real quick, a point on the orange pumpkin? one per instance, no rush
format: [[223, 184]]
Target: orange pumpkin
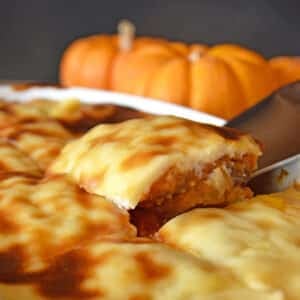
[[88, 61], [287, 68], [222, 80]]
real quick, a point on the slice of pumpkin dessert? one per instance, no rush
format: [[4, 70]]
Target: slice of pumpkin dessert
[[158, 167]]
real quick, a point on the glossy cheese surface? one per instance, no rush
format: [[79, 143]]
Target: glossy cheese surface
[[258, 240], [42, 218], [13, 160], [130, 270]]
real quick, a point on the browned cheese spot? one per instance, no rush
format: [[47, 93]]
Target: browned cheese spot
[[92, 115], [19, 177], [171, 125], [7, 226], [108, 138], [63, 279], [65, 276], [141, 297], [137, 160], [265, 224], [86, 117], [54, 151], [166, 141], [297, 242], [124, 113], [11, 265], [3, 167], [238, 207], [15, 131], [225, 132], [150, 269]]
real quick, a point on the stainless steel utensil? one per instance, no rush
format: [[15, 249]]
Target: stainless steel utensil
[[276, 123], [276, 177]]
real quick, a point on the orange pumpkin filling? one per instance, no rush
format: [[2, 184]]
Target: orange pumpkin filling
[[217, 184]]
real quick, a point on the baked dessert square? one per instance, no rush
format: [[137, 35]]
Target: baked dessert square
[[158, 167]]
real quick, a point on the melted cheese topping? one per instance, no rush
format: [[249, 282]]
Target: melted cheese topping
[[12, 112], [71, 113], [42, 127], [40, 219], [122, 161], [258, 240], [13, 160], [130, 270], [41, 140], [40, 109]]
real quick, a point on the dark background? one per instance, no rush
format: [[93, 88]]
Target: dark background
[[33, 34]]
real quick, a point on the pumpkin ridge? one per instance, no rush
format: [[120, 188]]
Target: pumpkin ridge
[[111, 67], [237, 52], [239, 82], [111, 70], [190, 85], [151, 77], [85, 58], [172, 49], [111, 61], [216, 94], [245, 70], [81, 58], [189, 93]]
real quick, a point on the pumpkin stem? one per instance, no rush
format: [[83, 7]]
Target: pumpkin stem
[[194, 55], [126, 32]]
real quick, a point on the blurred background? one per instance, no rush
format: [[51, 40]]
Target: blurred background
[[33, 33]]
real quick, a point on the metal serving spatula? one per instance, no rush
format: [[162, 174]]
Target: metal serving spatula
[[276, 123], [276, 177]]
